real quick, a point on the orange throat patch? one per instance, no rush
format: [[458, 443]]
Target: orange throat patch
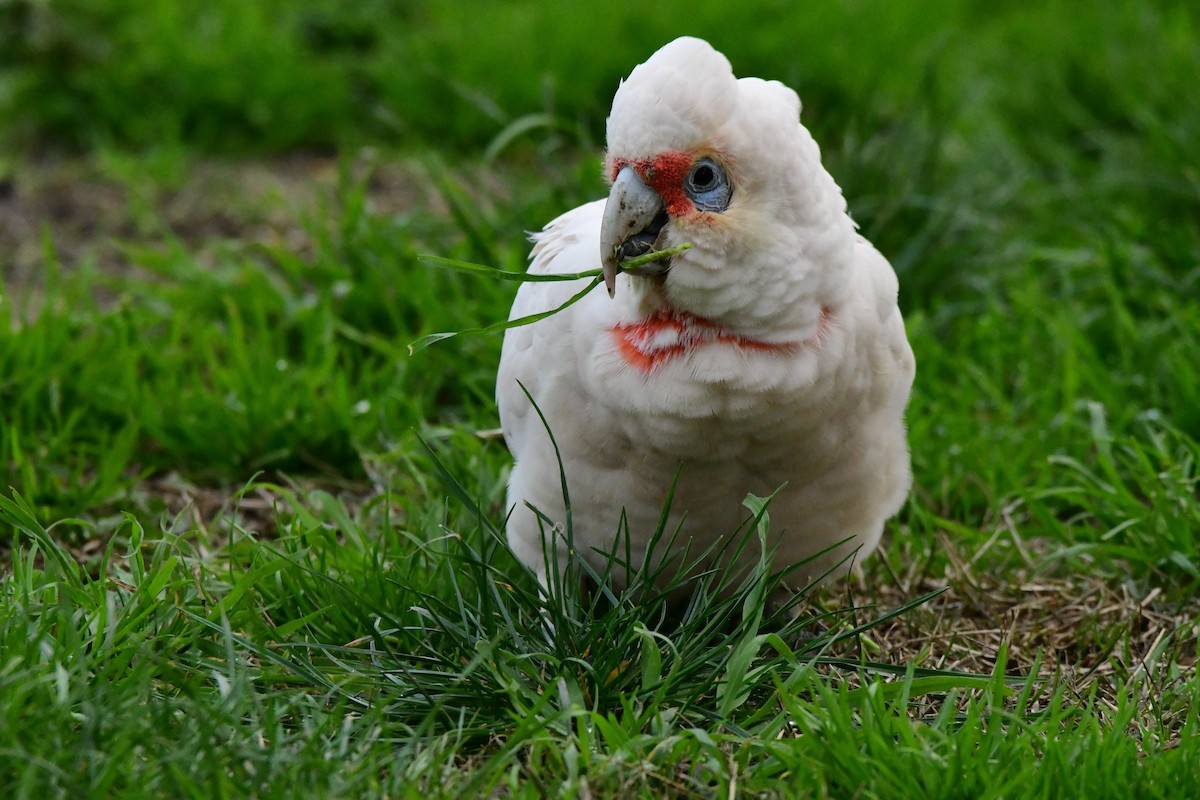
[[667, 334]]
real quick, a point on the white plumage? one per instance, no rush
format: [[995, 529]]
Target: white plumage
[[772, 353]]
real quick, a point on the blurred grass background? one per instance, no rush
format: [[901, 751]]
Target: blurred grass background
[[232, 77], [939, 103]]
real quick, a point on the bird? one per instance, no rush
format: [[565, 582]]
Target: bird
[[768, 359]]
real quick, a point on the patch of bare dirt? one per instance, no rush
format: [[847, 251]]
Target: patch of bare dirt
[[1085, 635], [86, 208]]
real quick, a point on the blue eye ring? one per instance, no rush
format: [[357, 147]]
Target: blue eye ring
[[707, 185]]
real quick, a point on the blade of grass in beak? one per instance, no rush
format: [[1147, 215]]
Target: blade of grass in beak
[[503, 274], [433, 338], [653, 255], [507, 275], [531, 277]]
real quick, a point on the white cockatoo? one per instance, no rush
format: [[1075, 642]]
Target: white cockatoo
[[771, 355]]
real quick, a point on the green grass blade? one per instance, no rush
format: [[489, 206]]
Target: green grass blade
[[433, 338]]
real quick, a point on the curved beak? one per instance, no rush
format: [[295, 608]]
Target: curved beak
[[633, 218]]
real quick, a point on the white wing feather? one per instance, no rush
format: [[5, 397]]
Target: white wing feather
[[534, 354]]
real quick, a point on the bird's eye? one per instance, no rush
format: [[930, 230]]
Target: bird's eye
[[707, 185]]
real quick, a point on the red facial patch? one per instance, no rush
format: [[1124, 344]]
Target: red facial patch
[[662, 336], [665, 174]]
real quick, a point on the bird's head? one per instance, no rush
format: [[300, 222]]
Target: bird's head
[[698, 156]]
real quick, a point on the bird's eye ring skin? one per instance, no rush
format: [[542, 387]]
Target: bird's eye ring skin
[[707, 185]]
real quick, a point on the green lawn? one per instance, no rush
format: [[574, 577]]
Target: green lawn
[[250, 545]]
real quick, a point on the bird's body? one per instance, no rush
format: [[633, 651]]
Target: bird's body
[[771, 354]]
